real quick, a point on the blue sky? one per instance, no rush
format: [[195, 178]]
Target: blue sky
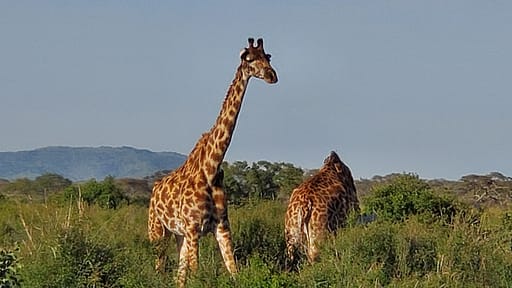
[[392, 86]]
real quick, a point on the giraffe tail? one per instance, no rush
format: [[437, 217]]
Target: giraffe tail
[[304, 218]]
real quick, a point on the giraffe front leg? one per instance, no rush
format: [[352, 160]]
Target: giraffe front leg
[[193, 248], [189, 251], [183, 264], [223, 229]]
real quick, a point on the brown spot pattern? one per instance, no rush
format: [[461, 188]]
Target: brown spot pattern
[[181, 203], [319, 205]]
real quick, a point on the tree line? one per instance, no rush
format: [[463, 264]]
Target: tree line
[[243, 182]]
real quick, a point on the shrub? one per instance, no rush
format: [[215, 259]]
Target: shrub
[[421, 255], [82, 262], [259, 275], [9, 268], [408, 195], [376, 250], [258, 237]]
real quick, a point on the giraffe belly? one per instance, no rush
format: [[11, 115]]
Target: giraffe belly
[[175, 226]]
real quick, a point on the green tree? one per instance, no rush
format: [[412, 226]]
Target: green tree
[[234, 181], [105, 194], [288, 178], [260, 180], [51, 183]]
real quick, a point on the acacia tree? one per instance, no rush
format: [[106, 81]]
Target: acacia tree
[[51, 182], [261, 180]]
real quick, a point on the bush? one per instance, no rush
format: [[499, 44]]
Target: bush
[[408, 195], [421, 256], [476, 254], [376, 250], [262, 238], [260, 275], [9, 268], [82, 262]]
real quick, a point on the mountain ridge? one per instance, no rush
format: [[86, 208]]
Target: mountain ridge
[[83, 163]]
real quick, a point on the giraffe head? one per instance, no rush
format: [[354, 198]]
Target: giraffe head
[[255, 62]]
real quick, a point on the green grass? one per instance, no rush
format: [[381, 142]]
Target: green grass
[[60, 247]]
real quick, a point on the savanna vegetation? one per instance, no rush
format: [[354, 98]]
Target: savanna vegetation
[[413, 233]]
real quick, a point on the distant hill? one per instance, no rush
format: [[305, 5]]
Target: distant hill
[[83, 163]]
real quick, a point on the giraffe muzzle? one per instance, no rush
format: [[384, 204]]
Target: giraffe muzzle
[[270, 76]]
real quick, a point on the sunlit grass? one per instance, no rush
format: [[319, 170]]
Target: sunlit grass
[[472, 251]]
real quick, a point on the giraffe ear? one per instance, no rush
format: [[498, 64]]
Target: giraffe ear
[[338, 167], [243, 54]]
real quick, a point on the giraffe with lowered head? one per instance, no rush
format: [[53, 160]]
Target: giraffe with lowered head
[[190, 202], [319, 205]]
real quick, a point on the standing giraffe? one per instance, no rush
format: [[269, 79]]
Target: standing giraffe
[[190, 201], [319, 204]]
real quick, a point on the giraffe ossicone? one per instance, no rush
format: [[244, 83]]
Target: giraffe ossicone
[[190, 201]]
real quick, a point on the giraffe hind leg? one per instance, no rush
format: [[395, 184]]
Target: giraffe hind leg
[[315, 234], [161, 251], [159, 238], [293, 244]]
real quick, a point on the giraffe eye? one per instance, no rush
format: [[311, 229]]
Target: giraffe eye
[[268, 57], [246, 56], [249, 57]]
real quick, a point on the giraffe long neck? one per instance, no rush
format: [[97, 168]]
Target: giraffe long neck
[[219, 137]]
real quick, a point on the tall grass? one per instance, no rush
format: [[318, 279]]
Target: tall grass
[[63, 246]]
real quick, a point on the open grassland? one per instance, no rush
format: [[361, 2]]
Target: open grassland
[[70, 245]]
